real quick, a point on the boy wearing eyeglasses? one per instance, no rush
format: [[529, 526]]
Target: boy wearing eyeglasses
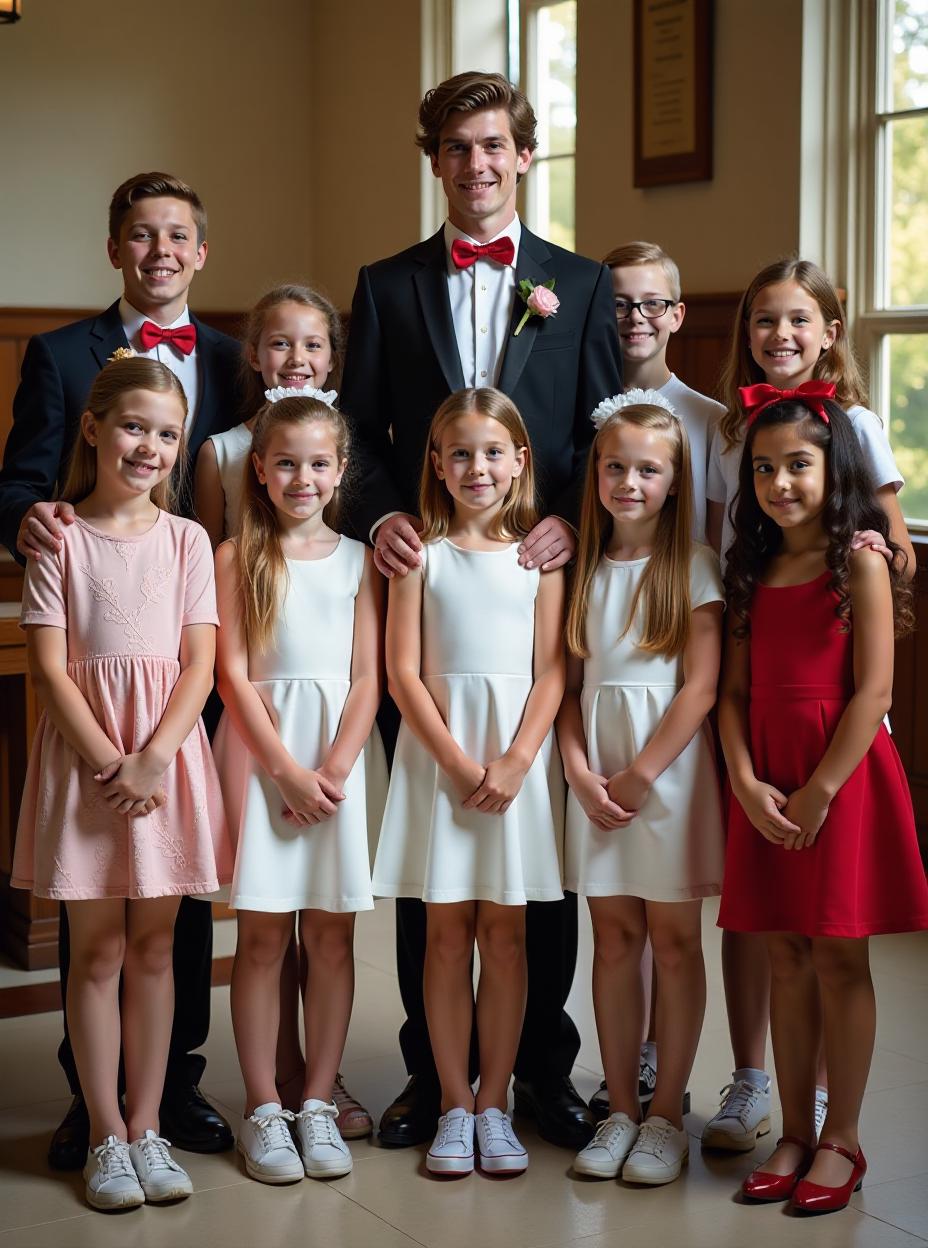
[[646, 284]]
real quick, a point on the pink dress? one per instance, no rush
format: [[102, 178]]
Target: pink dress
[[123, 603]]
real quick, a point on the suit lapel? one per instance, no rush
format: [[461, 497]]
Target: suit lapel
[[533, 253], [204, 416], [431, 282], [107, 334]]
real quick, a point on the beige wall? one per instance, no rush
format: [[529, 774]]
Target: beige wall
[[216, 91], [720, 232]]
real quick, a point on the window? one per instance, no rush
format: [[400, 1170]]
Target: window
[[551, 85]]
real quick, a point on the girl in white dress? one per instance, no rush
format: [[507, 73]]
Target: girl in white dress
[[474, 817], [644, 834], [301, 767]]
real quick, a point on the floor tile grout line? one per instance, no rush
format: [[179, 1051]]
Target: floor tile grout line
[[399, 1230], [885, 1222]]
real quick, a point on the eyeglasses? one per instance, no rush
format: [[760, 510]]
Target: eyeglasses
[[651, 309]]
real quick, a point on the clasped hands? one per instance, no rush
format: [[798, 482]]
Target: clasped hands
[[132, 783], [791, 822]]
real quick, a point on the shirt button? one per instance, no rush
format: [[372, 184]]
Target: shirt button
[[483, 288], [483, 329], [483, 372]]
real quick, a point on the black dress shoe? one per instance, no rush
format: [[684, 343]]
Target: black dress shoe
[[68, 1149], [190, 1122], [413, 1116], [562, 1117]]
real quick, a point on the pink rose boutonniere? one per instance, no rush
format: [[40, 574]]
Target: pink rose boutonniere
[[539, 301]]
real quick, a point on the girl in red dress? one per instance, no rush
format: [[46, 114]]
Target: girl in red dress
[[822, 849]]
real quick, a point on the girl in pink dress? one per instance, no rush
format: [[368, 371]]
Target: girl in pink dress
[[122, 813]]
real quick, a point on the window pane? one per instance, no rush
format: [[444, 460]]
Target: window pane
[[553, 200], [910, 54], [908, 419], [556, 77], [908, 189]]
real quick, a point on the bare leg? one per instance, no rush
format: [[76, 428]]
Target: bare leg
[[796, 1028], [676, 939], [448, 992], [290, 1063], [746, 974], [500, 998], [329, 943], [619, 933], [98, 945], [255, 1000], [849, 1012], [147, 1007]]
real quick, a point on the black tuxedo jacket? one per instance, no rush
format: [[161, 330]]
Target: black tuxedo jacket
[[403, 361], [57, 373]]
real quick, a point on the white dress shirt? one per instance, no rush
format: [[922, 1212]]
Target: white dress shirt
[[184, 367], [481, 306]]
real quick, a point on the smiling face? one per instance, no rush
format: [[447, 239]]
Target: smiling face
[[478, 164], [635, 473], [137, 441], [294, 347], [300, 468], [478, 462], [640, 338], [158, 254], [787, 333], [790, 475]]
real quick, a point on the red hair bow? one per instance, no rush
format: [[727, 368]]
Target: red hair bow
[[812, 393]]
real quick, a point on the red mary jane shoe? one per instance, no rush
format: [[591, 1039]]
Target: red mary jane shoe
[[814, 1198], [762, 1186]]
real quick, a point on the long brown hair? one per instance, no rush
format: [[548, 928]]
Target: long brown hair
[[114, 380], [261, 563], [251, 383], [664, 588], [518, 515], [836, 364]]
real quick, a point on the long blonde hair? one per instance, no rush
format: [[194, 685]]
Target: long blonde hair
[[837, 364], [115, 379], [261, 563], [518, 514], [664, 589]]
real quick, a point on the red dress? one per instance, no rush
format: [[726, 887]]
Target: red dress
[[864, 873]]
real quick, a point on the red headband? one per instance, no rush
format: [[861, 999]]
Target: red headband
[[811, 393]]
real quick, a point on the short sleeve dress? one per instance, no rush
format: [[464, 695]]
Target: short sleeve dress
[[232, 448], [123, 603], [673, 850], [304, 679], [478, 629], [863, 875]]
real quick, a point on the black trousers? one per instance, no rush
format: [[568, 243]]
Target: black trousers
[[193, 956]]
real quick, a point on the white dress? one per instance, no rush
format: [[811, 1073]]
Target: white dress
[[303, 680], [673, 850], [232, 449], [478, 628]]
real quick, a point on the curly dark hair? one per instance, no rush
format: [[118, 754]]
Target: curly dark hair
[[850, 507]]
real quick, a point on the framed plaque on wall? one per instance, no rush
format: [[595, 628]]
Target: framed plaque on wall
[[673, 91]]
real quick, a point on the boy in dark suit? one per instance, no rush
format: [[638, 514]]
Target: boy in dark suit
[[157, 239], [435, 318]]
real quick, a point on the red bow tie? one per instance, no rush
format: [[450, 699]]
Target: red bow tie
[[501, 250], [811, 393], [184, 337]]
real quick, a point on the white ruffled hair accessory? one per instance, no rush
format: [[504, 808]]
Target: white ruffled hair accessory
[[631, 398], [303, 392]]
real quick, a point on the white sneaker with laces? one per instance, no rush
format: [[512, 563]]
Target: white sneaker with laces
[[159, 1175], [605, 1154], [743, 1116], [111, 1182], [452, 1150], [265, 1142], [660, 1153], [498, 1145], [325, 1154], [821, 1109]]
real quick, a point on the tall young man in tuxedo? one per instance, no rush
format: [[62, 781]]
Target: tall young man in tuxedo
[[430, 320], [157, 239]]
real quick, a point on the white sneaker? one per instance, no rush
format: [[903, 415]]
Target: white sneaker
[[660, 1153], [265, 1142], [743, 1116], [159, 1175], [821, 1109], [498, 1145], [605, 1154], [111, 1181], [325, 1154], [452, 1150]]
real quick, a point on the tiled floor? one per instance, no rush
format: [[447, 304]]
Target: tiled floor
[[387, 1202]]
